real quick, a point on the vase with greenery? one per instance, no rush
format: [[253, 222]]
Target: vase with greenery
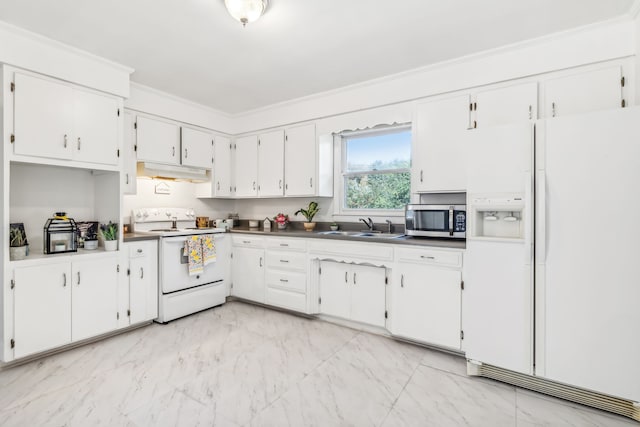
[[309, 213], [17, 243], [109, 233]]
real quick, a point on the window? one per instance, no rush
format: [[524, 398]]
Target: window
[[375, 169]]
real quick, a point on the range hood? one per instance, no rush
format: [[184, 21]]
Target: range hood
[[184, 173]]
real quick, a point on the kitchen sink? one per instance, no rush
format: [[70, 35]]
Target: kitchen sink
[[341, 233], [361, 234]]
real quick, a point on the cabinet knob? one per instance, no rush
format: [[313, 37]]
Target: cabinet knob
[[139, 251]]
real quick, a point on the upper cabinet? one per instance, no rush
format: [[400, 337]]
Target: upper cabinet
[[437, 158], [222, 167], [129, 184], [300, 155], [246, 184], [197, 148], [59, 121], [505, 105], [158, 141], [271, 164], [583, 92]]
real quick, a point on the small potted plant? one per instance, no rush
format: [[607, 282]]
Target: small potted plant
[[309, 213], [17, 243], [334, 226], [282, 220], [109, 233]]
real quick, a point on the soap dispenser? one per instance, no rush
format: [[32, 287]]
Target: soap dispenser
[[267, 225]]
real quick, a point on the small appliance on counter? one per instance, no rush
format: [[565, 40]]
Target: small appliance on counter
[[60, 234]]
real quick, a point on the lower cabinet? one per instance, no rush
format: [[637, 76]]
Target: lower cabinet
[[138, 292], [247, 268], [353, 292], [286, 273], [61, 302], [426, 295]]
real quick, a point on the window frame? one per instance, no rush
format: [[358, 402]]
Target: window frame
[[340, 184]]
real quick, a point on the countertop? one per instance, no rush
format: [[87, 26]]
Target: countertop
[[136, 237], [406, 240]]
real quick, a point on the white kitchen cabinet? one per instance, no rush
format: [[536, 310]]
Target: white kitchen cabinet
[[139, 302], [353, 292], [300, 161], [437, 158], [222, 167], [510, 104], [56, 120], [426, 295], [247, 268], [286, 273], [158, 141], [197, 148], [129, 174], [94, 297], [271, 164], [42, 308], [583, 92], [246, 161]]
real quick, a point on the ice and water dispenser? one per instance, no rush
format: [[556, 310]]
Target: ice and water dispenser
[[497, 217]]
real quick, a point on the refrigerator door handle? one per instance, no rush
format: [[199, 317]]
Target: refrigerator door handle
[[528, 218], [541, 217]]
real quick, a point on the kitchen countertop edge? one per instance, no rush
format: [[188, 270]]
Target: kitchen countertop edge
[[137, 237]]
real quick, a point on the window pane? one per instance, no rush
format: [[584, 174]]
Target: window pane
[[379, 152], [377, 191]]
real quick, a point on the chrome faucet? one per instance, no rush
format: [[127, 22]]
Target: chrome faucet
[[174, 223], [368, 222], [389, 225]]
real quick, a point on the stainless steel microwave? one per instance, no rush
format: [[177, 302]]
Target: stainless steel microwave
[[445, 221]]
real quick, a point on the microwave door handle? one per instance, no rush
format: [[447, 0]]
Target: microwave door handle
[[451, 220]]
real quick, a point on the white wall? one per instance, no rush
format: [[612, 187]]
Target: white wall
[[182, 194]]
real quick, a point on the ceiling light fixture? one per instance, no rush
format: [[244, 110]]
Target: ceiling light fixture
[[246, 11]]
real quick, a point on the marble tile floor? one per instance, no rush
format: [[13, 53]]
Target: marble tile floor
[[243, 365]]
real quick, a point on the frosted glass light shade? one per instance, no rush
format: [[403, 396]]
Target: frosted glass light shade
[[246, 11]]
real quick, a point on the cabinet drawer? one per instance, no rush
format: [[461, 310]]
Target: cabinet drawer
[[140, 249], [287, 244], [430, 256], [286, 299], [248, 241], [286, 260], [290, 281]]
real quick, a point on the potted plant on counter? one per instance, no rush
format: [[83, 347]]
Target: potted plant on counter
[[282, 220], [109, 233], [17, 242], [309, 213]]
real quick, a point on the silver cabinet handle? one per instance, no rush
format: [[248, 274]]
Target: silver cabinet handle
[[427, 257], [218, 185], [354, 278], [127, 179], [311, 182], [345, 278], [530, 112], [246, 242], [402, 280], [64, 280], [284, 280], [284, 260], [78, 143], [260, 261], [78, 278], [254, 185], [421, 176], [173, 151], [141, 273], [66, 139], [553, 109], [286, 186], [186, 153], [280, 184], [284, 244]]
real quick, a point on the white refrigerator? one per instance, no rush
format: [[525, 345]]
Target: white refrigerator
[[575, 317]]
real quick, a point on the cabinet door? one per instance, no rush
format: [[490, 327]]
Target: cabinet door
[[580, 93], [247, 166], [438, 160], [94, 298], [139, 284], [506, 105], [247, 266], [197, 148], [43, 117], [368, 295], [335, 290], [427, 304], [130, 154], [158, 141], [300, 161], [96, 130], [222, 167], [42, 308], [271, 164]]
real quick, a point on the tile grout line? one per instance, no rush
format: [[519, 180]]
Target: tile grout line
[[393, 404]]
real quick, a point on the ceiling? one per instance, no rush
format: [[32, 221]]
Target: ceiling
[[195, 50]]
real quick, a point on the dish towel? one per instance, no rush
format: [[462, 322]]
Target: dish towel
[[200, 250]]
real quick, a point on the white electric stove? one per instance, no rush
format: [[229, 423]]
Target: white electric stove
[[182, 294]]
